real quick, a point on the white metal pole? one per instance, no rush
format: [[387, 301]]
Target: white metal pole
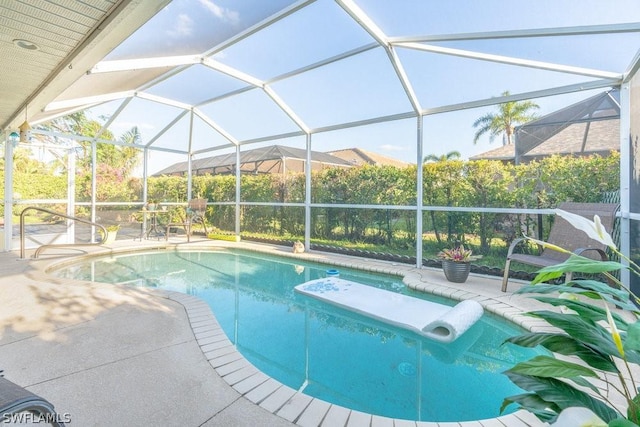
[[145, 188], [145, 175], [8, 192], [238, 181], [307, 196], [189, 179], [625, 176], [71, 194], [190, 160], [419, 187], [94, 186]]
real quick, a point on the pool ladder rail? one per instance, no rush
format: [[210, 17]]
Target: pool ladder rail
[[41, 248]]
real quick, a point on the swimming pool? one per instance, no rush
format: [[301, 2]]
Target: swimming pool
[[324, 351]]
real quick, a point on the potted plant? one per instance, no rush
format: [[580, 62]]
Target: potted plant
[[112, 233], [456, 263]]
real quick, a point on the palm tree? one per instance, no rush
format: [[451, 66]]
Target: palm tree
[[451, 155], [505, 120]]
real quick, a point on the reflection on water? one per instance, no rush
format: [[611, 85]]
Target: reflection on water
[[328, 352]]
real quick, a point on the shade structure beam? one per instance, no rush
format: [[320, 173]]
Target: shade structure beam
[[286, 109], [595, 84], [163, 100], [88, 100], [509, 60], [381, 38], [633, 68], [232, 72], [166, 128], [113, 117], [215, 126], [630, 27], [144, 63]]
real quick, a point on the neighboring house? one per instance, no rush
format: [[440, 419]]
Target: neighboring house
[[275, 159], [278, 159], [359, 157], [591, 126]]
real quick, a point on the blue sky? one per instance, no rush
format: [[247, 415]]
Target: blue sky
[[365, 85]]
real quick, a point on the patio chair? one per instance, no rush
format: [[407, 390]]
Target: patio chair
[[194, 214], [566, 236], [15, 400]]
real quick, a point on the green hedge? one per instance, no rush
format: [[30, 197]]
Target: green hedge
[[455, 183]]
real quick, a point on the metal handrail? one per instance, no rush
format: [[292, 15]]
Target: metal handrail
[[57, 245]]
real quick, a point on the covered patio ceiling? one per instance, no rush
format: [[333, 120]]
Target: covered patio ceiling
[[203, 75], [48, 45]]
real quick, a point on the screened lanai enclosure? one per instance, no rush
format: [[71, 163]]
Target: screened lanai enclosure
[[101, 96]]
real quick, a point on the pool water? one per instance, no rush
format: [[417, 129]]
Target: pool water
[[327, 352]]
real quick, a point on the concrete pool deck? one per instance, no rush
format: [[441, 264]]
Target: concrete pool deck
[[106, 354]]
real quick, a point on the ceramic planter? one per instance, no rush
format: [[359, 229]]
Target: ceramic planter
[[456, 272]]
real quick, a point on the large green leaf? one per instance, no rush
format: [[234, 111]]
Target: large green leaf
[[568, 346], [546, 366], [585, 310], [584, 287], [620, 297], [621, 422], [562, 394], [633, 410], [576, 264], [579, 329], [601, 288], [534, 404], [546, 276], [632, 341], [593, 336], [582, 382], [580, 264]]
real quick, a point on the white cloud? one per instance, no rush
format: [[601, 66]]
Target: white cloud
[[220, 12], [183, 27]]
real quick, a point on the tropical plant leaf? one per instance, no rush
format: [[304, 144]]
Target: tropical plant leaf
[[550, 367], [533, 403], [568, 346], [585, 310], [579, 329], [584, 383], [621, 422], [632, 341], [544, 288], [564, 395], [576, 264], [580, 264], [633, 411], [595, 337], [623, 305], [583, 287], [546, 276], [620, 297]]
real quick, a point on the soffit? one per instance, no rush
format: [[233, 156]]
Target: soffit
[[71, 36]]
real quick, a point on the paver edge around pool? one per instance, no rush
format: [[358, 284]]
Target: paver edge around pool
[[297, 407]]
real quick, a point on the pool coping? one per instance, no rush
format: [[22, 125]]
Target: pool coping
[[297, 407]]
